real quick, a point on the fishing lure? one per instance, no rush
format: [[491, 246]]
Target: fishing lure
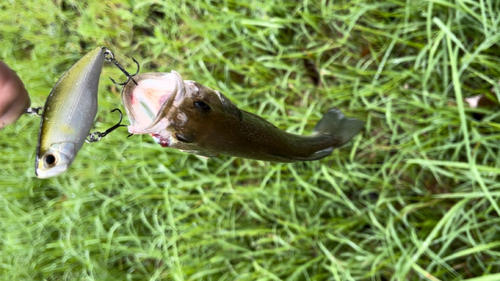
[[69, 113]]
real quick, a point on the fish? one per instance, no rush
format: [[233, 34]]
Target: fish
[[68, 115], [14, 98], [194, 118]]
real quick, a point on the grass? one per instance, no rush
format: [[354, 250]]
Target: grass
[[413, 197]]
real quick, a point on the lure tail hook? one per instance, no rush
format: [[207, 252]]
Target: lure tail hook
[[111, 58], [97, 136]]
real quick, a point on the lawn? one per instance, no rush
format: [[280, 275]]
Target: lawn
[[415, 196]]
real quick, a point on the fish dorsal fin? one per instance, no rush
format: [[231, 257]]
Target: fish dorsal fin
[[229, 107]]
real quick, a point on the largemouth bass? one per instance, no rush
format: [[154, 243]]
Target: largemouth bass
[[68, 115], [14, 99], [197, 119]]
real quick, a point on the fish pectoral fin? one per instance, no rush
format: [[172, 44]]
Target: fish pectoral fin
[[184, 138], [201, 153], [316, 155]]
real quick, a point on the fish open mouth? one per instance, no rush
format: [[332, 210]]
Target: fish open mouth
[[148, 103]]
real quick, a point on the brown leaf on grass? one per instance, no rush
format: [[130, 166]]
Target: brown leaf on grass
[[312, 71], [481, 101], [365, 50]]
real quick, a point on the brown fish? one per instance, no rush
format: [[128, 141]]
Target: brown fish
[[197, 119]]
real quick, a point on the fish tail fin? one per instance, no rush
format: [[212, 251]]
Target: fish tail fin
[[335, 123]]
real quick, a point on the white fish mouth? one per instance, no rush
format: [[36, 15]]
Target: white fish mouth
[[147, 104]]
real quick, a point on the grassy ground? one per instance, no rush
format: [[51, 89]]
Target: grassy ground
[[413, 197]]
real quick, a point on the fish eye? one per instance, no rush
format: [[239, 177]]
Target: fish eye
[[50, 160], [202, 106]]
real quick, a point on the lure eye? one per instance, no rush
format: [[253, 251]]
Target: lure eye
[[50, 160], [201, 106]]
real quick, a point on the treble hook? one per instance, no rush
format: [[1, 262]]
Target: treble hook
[[97, 136], [111, 58]]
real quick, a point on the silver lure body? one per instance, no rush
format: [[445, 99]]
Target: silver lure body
[[68, 115]]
